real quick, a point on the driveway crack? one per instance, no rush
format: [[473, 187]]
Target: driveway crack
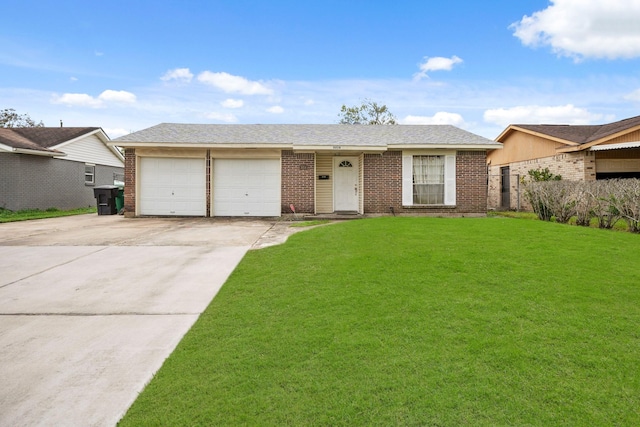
[[55, 266]]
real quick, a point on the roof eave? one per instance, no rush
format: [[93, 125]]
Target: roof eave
[[100, 134], [513, 128], [132, 144], [571, 149], [309, 147], [504, 133], [599, 141], [614, 135], [117, 152], [333, 148], [37, 152], [468, 147]]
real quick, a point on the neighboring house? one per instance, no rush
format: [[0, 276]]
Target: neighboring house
[[576, 152], [55, 167], [265, 170]]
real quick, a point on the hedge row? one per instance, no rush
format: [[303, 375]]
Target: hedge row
[[607, 200]]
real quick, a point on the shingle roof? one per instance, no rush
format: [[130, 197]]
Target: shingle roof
[[309, 135], [583, 134], [41, 138]]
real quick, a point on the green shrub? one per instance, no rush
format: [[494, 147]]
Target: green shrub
[[539, 175]]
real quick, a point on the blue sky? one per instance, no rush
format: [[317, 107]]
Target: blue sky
[[479, 65]]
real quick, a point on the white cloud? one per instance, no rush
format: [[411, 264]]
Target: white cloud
[[85, 100], [98, 53], [116, 132], [439, 118], [597, 94], [584, 28], [222, 117], [276, 109], [233, 84], [121, 96], [73, 79], [633, 96], [437, 63], [232, 103], [536, 114], [179, 74], [77, 100]]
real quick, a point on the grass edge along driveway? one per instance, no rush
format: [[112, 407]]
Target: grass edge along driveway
[[415, 321]]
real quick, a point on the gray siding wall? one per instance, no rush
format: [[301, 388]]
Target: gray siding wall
[[37, 182]]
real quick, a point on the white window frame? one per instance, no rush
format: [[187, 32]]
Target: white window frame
[[449, 175], [89, 174]]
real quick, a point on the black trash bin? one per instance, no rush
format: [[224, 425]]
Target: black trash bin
[[106, 199]]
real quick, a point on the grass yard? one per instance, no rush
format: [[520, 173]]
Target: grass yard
[[415, 321], [27, 214]]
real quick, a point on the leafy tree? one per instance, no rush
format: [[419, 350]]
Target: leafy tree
[[10, 119], [367, 113]]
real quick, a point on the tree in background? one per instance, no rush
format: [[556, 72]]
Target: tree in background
[[368, 113], [10, 119]]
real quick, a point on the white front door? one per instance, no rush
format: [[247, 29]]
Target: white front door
[[345, 184]]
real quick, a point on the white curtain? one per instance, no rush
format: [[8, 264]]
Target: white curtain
[[428, 180]]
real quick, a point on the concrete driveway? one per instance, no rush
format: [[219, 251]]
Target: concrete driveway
[[91, 306]]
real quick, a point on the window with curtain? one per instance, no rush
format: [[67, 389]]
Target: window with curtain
[[428, 180]]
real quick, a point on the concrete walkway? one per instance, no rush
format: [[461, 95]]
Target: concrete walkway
[[91, 306]]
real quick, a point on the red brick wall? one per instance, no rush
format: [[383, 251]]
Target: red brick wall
[[471, 181], [129, 182], [383, 184], [298, 182], [382, 178]]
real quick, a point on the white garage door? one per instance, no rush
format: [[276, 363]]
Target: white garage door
[[171, 186], [246, 187]]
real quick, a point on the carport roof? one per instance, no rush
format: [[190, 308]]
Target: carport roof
[[301, 136]]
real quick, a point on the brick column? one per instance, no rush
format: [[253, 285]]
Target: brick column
[[471, 182], [129, 182], [382, 177], [298, 182]]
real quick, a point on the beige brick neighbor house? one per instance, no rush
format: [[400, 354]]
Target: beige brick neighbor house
[[270, 170], [576, 152]]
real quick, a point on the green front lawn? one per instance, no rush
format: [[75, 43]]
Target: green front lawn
[[415, 321], [27, 214]]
